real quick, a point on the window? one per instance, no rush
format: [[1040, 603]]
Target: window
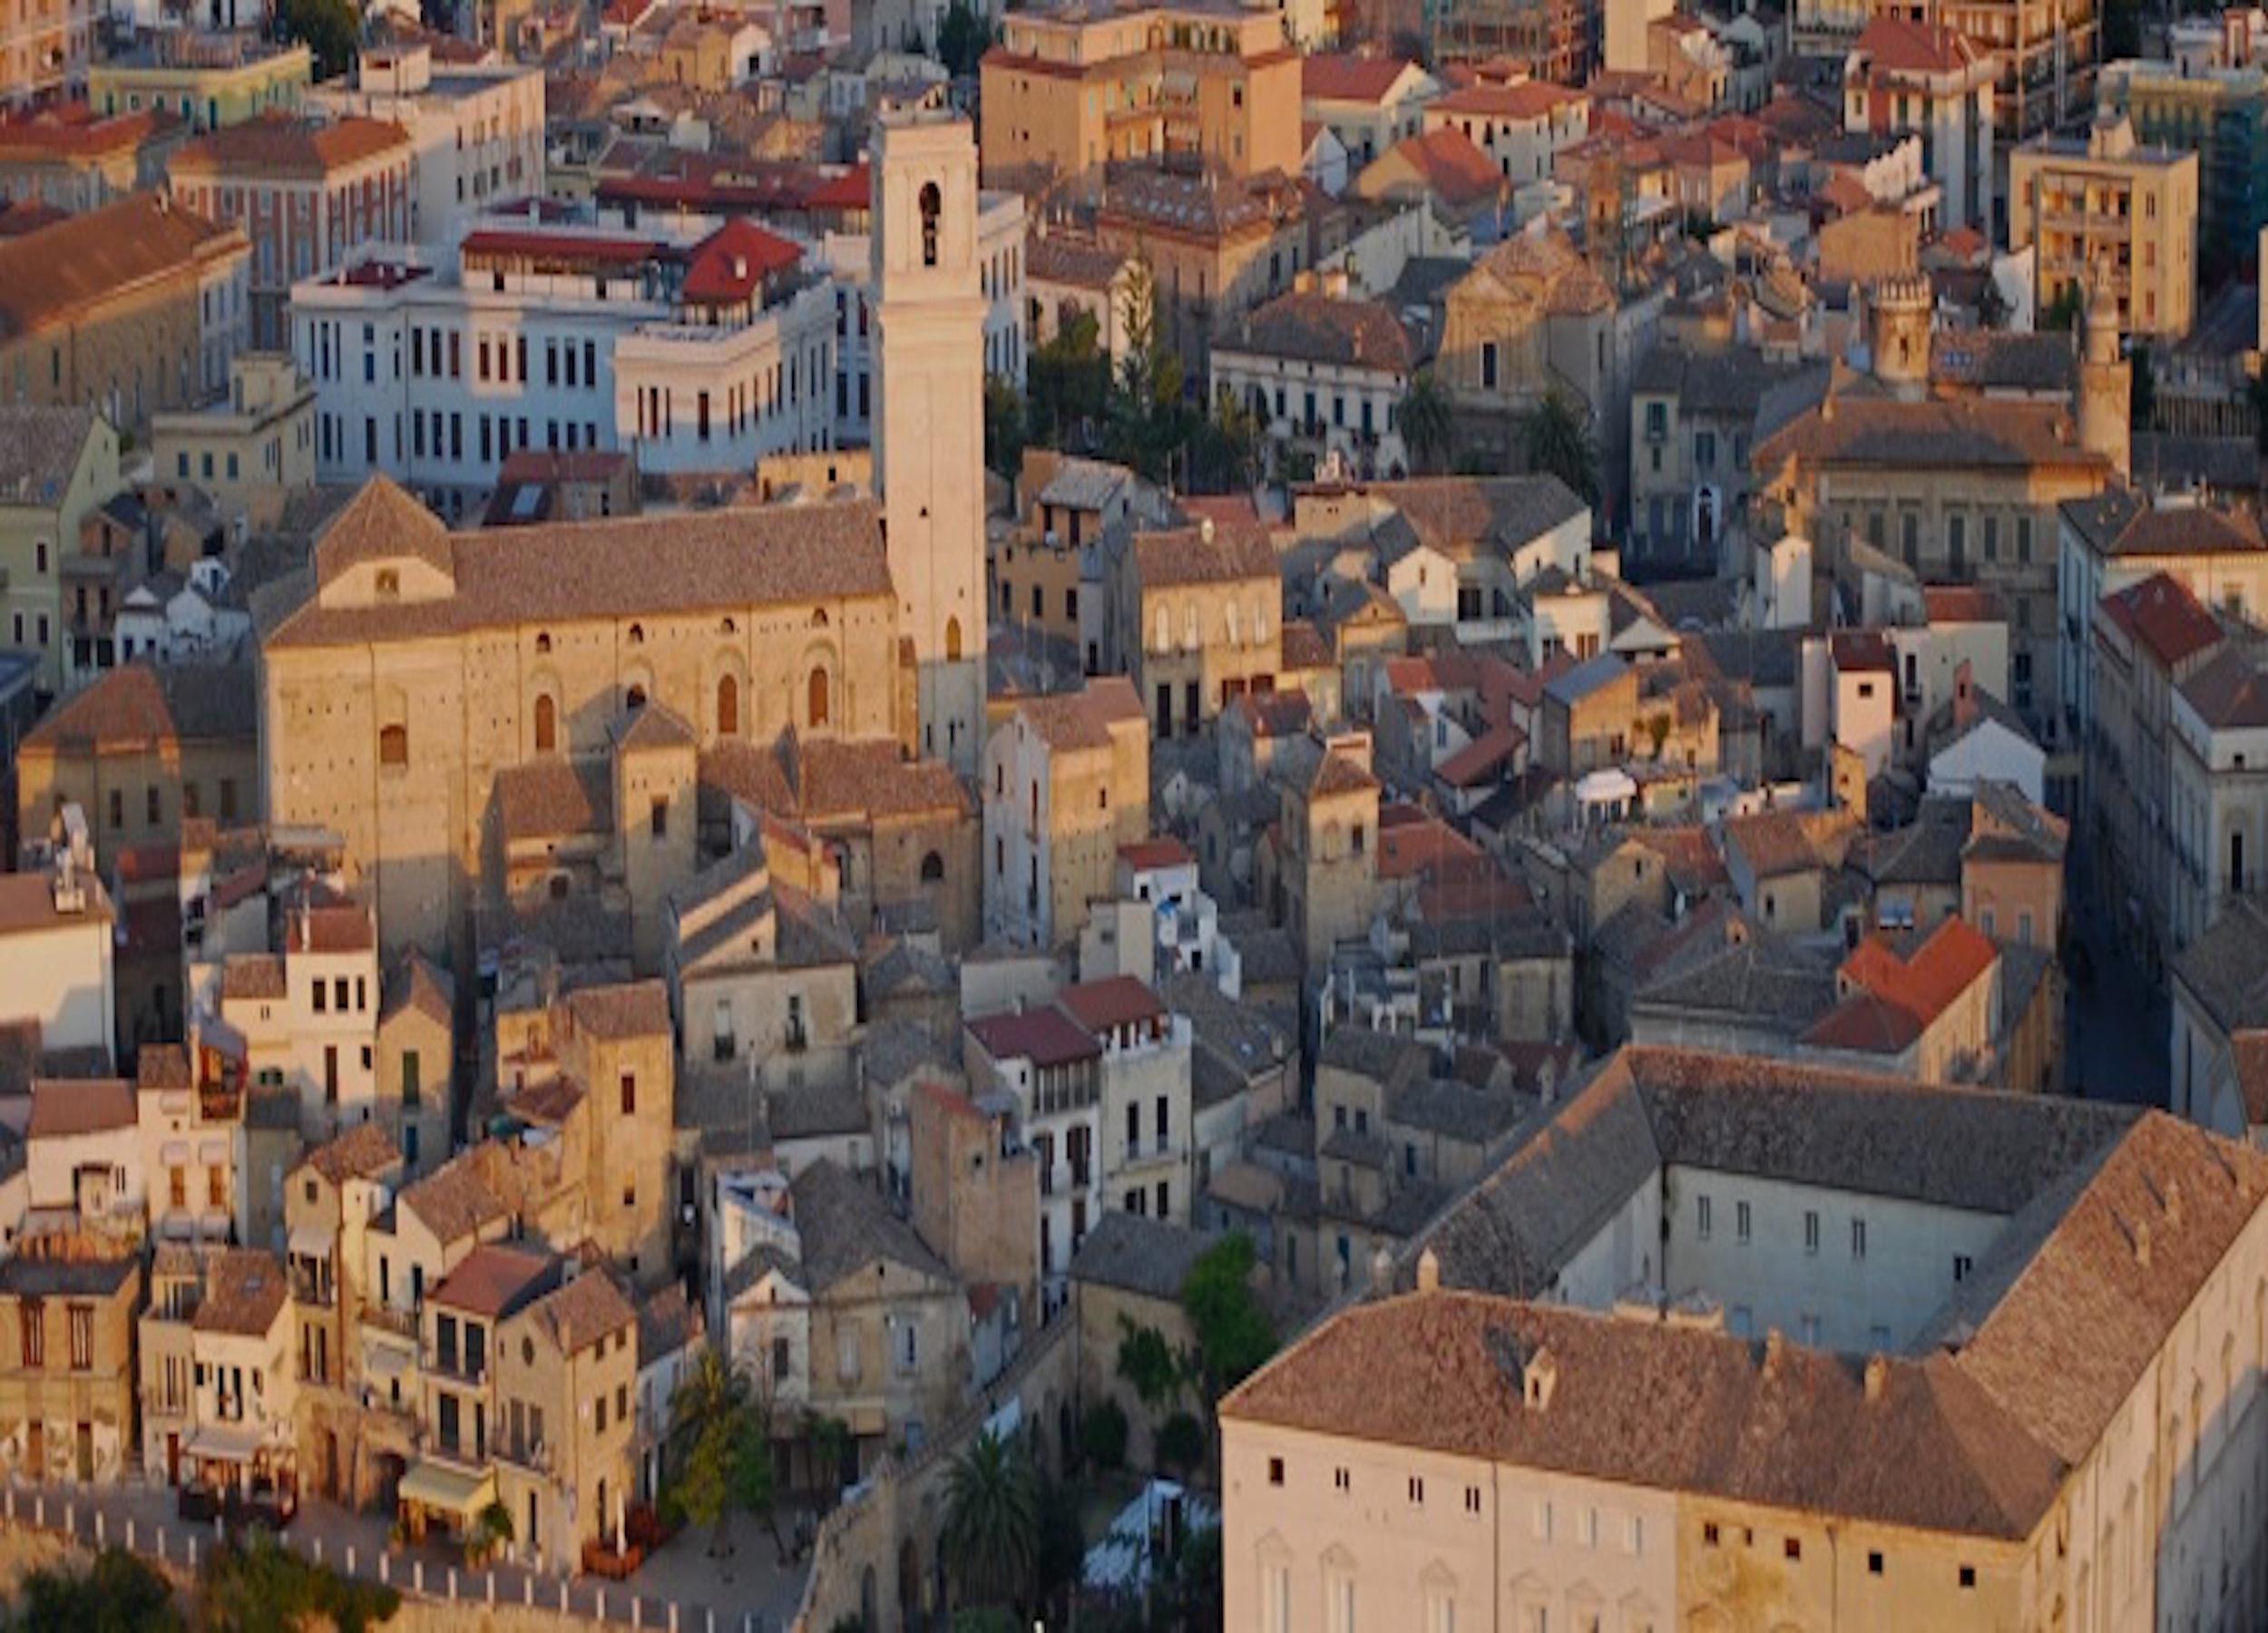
[[1969, 1576], [781, 1360], [1704, 1217], [1740, 1221], [1811, 1231], [1858, 1239], [1793, 1547], [817, 689], [1276, 1471], [1710, 1534], [728, 706], [1963, 1265], [1473, 1500], [931, 204], [1342, 1481], [1417, 1490], [1874, 1562], [394, 746], [32, 1318], [82, 1338], [629, 1094], [658, 817]]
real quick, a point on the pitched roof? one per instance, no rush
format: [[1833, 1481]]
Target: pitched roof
[[1522, 98], [1953, 433], [1350, 76], [1449, 165], [552, 799], [47, 274], [150, 704], [280, 144], [2225, 966], [1068, 721], [2229, 691], [245, 1290], [1308, 325], [493, 1280], [1905, 47], [1181, 556], [362, 1152], [453, 1200], [1136, 1253], [1893, 998], [583, 1311], [2119, 521], [845, 1226], [1045, 1036], [1645, 1402], [62, 1108], [630, 1008], [39, 446], [2160, 615], [609, 568], [1116, 1000]]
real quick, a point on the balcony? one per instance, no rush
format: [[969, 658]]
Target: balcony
[[388, 1321]]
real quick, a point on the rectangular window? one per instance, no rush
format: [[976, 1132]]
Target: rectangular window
[[1740, 1221], [1858, 1239], [1704, 1216], [81, 1338], [629, 1094], [1811, 1231]]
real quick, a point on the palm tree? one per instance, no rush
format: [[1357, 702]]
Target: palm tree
[[991, 1532], [704, 1413], [1557, 442], [1427, 421]]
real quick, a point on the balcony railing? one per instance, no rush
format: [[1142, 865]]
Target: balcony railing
[[393, 1323]]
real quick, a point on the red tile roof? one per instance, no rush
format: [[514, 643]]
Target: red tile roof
[[733, 262], [1145, 854], [1342, 76], [1104, 1006], [1904, 46], [1890, 1000], [1528, 99], [2160, 614], [1045, 1036], [1457, 173]]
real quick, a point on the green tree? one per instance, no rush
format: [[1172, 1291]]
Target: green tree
[[1067, 384], [262, 1587], [1004, 428], [2063, 312], [1227, 448], [985, 1618], [118, 1593], [1234, 1331], [1149, 1363], [331, 29], [1181, 1444], [1103, 1433], [721, 1449], [990, 1537], [492, 1532], [961, 40], [1428, 421], [1557, 440], [1062, 1559], [1147, 423]]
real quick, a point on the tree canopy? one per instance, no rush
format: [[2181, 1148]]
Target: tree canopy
[[331, 29], [1235, 1333], [990, 1537]]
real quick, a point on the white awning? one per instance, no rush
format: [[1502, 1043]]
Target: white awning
[[1605, 786], [312, 1241], [451, 1491], [223, 1443]]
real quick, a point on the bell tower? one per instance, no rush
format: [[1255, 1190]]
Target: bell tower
[[2106, 376], [929, 420]]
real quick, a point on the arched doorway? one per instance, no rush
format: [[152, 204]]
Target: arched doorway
[[953, 641], [817, 700], [546, 724], [728, 706]]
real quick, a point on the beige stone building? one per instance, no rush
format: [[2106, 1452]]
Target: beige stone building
[[76, 161], [44, 48], [1325, 886], [1067, 782], [135, 308], [58, 466], [570, 1356], [1211, 248], [348, 1420], [67, 1394], [1550, 1453], [1196, 619], [213, 80], [142, 749], [253, 449], [1129, 1271], [1068, 91], [2110, 202]]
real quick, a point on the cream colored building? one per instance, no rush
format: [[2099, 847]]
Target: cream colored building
[[44, 48], [1066, 783], [1646, 1463], [1197, 619], [210, 80], [1069, 90], [57, 465], [67, 1395], [570, 1357], [253, 449], [2110, 202], [308, 1014]]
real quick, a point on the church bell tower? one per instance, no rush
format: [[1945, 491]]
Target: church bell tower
[[929, 420]]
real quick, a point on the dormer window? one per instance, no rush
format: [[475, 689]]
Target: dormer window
[[389, 583]]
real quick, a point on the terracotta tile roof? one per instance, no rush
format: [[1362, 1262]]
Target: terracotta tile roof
[[1336, 774], [1448, 164], [553, 799], [838, 779], [382, 522], [1070, 721], [245, 1291], [279, 144], [1960, 603], [62, 1108], [1136, 1253], [585, 1310], [2161, 615], [1960, 434], [1311, 326], [1412, 842], [1904, 46], [1045, 1036], [610, 569], [363, 1153], [1348, 76], [253, 976], [1270, 715], [733, 263], [76, 131], [1056, 257], [847, 1227], [638, 1009], [2118, 522], [494, 1281], [417, 984], [1650, 1403], [1104, 1006], [162, 1066], [1772, 843], [339, 928], [150, 704], [50, 273], [2226, 967], [1523, 99], [1546, 268], [1892, 998], [453, 1201], [2230, 692], [1142, 855], [39, 447], [1184, 556], [1305, 648]]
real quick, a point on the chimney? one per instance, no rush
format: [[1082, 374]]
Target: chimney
[[1877, 1377], [1428, 1272], [1775, 1351]]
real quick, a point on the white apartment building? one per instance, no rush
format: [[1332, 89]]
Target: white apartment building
[[848, 259], [1523, 126], [309, 1017], [477, 129], [55, 948], [694, 353], [1145, 1124]]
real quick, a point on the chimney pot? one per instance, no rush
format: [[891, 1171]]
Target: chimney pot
[[1877, 1377]]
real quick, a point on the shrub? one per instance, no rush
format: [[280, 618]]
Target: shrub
[[1104, 1434], [1181, 1444]]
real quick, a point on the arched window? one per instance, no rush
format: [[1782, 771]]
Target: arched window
[[816, 710], [638, 634], [394, 746], [953, 641], [932, 202], [818, 618], [637, 698], [727, 627], [546, 724], [933, 868], [544, 642], [728, 706]]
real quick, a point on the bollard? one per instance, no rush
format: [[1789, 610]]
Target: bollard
[[160, 1544], [130, 1533], [562, 1596], [637, 1611], [492, 1587], [601, 1604], [452, 1584], [527, 1590], [39, 1511], [673, 1616], [71, 1521], [386, 1569], [417, 1576], [318, 1548]]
